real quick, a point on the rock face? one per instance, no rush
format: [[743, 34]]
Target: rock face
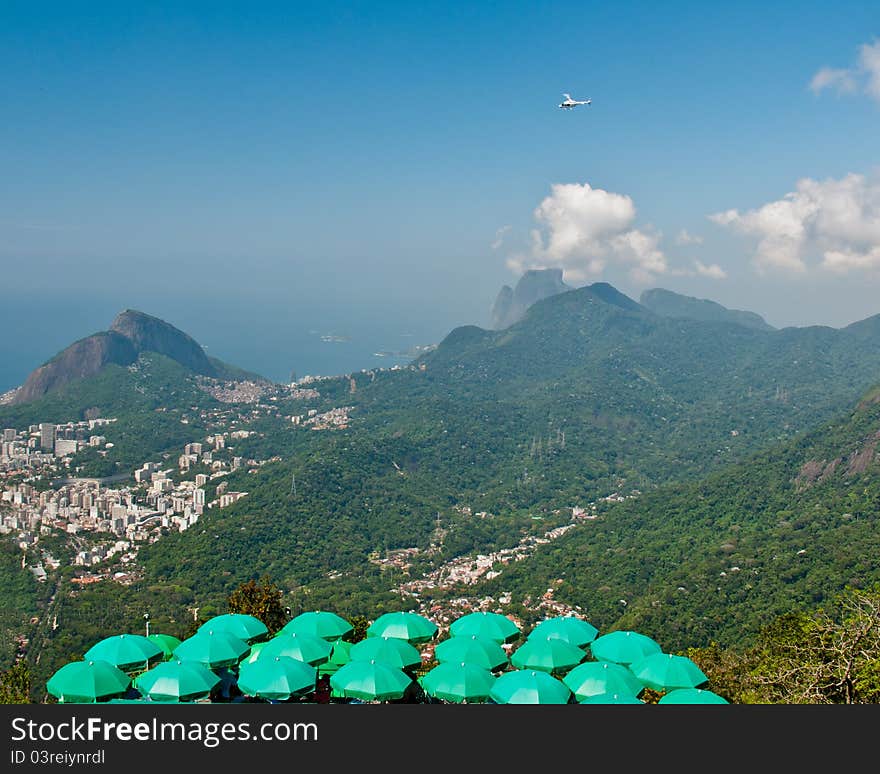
[[535, 285], [669, 304], [81, 359], [132, 332], [150, 334]]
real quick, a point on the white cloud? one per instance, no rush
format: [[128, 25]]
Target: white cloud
[[842, 81], [713, 271], [684, 237], [834, 222], [863, 77], [499, 237], [583, 230]]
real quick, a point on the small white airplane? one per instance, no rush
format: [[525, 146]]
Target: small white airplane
[[568, 103]]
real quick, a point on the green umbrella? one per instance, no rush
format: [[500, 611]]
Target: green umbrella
[[86, 682], [176, 680], [692, 696], [303, 647], [574, 630], [406, 625], [549, 654], [458, 682], [279, 678], [594, 678], [340, 656], [246, 627], [666, 672], [390, 650], [485, 624], [611, 698], [529, 686], [319, 623], [213, 649], [370, 681], [128, 652], [472, 649], [623, 647], [255, 651], [166, 642]]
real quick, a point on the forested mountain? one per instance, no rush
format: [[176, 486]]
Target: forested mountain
[[131, 334], [669, 304]]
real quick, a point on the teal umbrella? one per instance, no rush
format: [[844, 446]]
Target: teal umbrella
[[594, 678], [319, 623], [303, 647], [246, 627], [406, 625], [692, 696], [530, 686], [87, 682], [623, 647], [255, 651], [166, 642], [494, 626], [369, 681], [279, 678], [611, 698], [340, 656], [128, 652], [390, 650], [176, 681], [480, 651], [213, 649], [549, 654], [666, 672], [458, 682], [566, 627]]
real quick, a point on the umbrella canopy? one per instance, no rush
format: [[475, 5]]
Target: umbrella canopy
[[623, 647], [212, 648], [611, 698], [127, 652], [246, 627], [458, 682], [692, 696], [166, 642], [480, 651], [340, 656], [549, 654], [319, 623], [566, 627], [370, 681], [494, 626], [666, 672], [86, 682], [176, 680], [389, 650], [529, 686], [595, 678], [405, 625], [279, 678], [255, 651], [303, 647]]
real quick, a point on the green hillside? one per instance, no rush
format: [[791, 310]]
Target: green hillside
[[717, 559]]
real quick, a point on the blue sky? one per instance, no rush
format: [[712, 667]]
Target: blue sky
[[222, 165]]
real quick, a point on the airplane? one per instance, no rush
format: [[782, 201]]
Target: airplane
[[570, 103]]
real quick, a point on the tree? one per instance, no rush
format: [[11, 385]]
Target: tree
[[15, 684], [827, 657], [261, 600]]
